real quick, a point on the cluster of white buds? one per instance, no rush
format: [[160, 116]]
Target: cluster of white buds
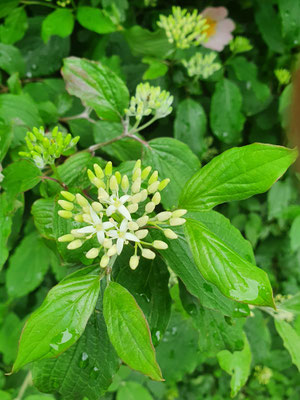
[[183, 28], [44, 148], [202, 65], [149, 100], [240, 44], [124, 212]]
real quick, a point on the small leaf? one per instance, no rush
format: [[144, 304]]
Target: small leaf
[[11, 59], [237, 364], [96, 86], [226, 119], [7, 6], [60, 22], [14, 27], [95, 20], [42, 211], [295, 234], [129, 331], [236, 174], [290, 14], [60, 320], [234, 276], [291, 340], [155, 70], [133, 390]]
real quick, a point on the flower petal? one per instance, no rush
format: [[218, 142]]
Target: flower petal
[[120, 244], [215, 13], [132, 237], [124, 225], [107, 225], [124, 198], [86, 229], [123, 211], [113, 234], [95, 217], [110, 210], [222, 36], [100, 236]]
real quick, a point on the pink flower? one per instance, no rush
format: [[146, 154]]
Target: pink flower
[[218, 34]]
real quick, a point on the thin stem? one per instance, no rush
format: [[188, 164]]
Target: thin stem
[[38, 3], [55, 180], [84, 115], [27, 382], [134, 137], [144, 126], [99, 145]]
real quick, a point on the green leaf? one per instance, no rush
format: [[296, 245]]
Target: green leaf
[[226, 119], [156, 68], [20, 176], [5, 228], [295, 234], [14, 27], [5, 140], [234, 276], [27, 266], [285, 101], [178, 352], [236, 174], [132, 391], [11, 59], [143, 42], [7, 7], [279, 197], [290, 14], [95, 20], [60, 320], [253, 228], [291, 304], [291, 340], [10, 331], [190, 125], [128, 331], [60, 22], [164, 152], [85, 369], [238, 365], [42, 211], [179, 258], [96, 86]]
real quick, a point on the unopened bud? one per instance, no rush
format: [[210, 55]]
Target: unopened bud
[[113, 183], [82, 201], [170, 234], [156, 198], [141, 234], [146, 172], [112, 251], [108, 169], [98, 171], [92, 253], [66, 238], [118, 177], [164, 216], [160, 245], [65, 214], [149, 207], [102, 194], [142, 221], [134, 262], [66, 205], [178, 213], [144, 194], [153, 178], [163, 184], [107, 243], [133, 226], [78, 218], [132, 208], [136, 186], [177, 221], [153, 187], [75, 244], [97, 206], [136, 174], [104, 261], [125, 184], [146, 253], [67, 195], [136, 198]]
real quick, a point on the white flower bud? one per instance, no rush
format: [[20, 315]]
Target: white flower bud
[[164, 216], [78, 218], [133, 226], [92, 253], [118, 177], [113, 183], [102, 194], [66, 205], [112, 251], [65, 214], [142, 221], [160, 245], [75, 233], [75, 244], [87, 218], [149, 207], [136, 186], [156, 199], [153, 187], [146, 253], [66, 238], [108, 169], [178, 213], [107, 243], [141, 234], [134, 262], [153, 178], [82, 201], [136, 174], [170, 234], [146, 172], [104, 261], [132, 208], [136, 198], [97, 206], [98, 171], [144, 194], [125, 184], [67, 195], [163, 184], [176, 221]]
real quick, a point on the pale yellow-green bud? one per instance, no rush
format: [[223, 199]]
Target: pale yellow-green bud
[[86, 218], [91, 175], [82, 201], [136, 186], [118, 177], [176, 221], [92, 253], [133, 226], [104, 261], [78, 218], [160, 245], [156, 199], [132, 208], [66, 205], [75, 244], [144, 194], [136, 174], [98, 183], [108, 169], [76, 234], [164, 216], [66, 238], [112, 251], [67, 195], [137, 165], [163, 184], [170, 234], [134, 262], [113, 183], [125, 184], [141, 234], [178, 213], [149, 207], [98, 171], [107, 243], [65, 214], [142, 221], [136, 198], [153, 178], [102, 194], [146, 253], [146, 171], [97, 206], [153, 187]]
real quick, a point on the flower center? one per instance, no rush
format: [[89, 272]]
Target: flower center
[[99, 227], [117, 203], [211, 30], [122, 235]]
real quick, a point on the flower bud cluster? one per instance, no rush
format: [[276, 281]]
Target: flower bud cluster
[[183, 28], [44, 148], [124, 212], [240, 44], [149, 100], [283, 76], [202, 65]]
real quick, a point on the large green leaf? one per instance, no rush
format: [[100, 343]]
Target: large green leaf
[[10, 332], [164, 153], [190, 125], [234, 276], [85, 369], [11, 59], [27, 266], [42, 211], [179, 258], [226, 119], [96, 86], [60, 22], [236, 174], [128, 331], [14, 27], [291, 340], [5, 228], [7, 6], [60, 320], [133, 390], [95, 20], [290, 15], [5, 140]]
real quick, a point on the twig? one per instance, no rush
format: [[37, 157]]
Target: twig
[[55, 180], [27, 382]]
